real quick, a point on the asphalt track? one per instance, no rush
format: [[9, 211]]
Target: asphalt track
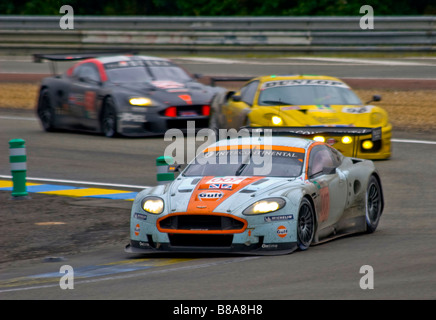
[[401, 252]]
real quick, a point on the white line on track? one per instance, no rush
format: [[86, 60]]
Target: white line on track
[[81, 182], [140, 274], [413, 141], [367, 61], [18, 118]]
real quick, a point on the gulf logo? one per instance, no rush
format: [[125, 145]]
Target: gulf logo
[[210, 195], [137, 229], [282, 231]]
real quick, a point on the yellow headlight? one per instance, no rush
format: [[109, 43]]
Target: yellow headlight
[[367, 144], [140, 101], [153, 205], [265, 206], [276, 120], [319, 138], [347, 140]]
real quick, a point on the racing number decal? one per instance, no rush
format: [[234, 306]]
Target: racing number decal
[[89, 102], [325, 204]]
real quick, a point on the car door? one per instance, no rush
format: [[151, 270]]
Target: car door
[[331, 183], [86, 84], [239, 105]]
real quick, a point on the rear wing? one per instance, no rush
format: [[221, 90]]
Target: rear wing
[[311, 132], [56, 57]]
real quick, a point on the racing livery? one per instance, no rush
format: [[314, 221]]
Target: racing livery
[[258, 195], [308, 101], [126, 94]]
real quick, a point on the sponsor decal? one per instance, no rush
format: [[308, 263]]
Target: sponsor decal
[[140, 216], [279, 218], [226, 186], [167, 84], [282, 231], [136, 63], [357, 110], [137, 229], [187, 98], [296, 82], [331, 141], [226, 180], [131, 117], [210, 195], [290, 108], [325, 204], [144, 244], [270, 246]]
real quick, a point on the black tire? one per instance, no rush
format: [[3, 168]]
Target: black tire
[[46, 111], [305, 225], [373, 204], [109, 119]]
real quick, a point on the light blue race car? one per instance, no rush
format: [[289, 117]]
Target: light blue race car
[[258, 195]]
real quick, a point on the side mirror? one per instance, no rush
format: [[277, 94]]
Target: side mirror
[[174, 168], [197, 75], [375, 98], [236, 98]]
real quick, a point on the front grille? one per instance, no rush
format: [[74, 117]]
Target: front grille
[[200, 240], [201, 223]]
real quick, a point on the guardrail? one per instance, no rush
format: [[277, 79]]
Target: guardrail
[[30, 34]]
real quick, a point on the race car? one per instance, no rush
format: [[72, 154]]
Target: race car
[[258, 195], [128, 95], [308, 101]]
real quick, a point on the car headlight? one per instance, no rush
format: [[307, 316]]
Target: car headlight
[[153, 205], [265, 206], [276, 120], [141, 101], [347, 140], [319, 138]]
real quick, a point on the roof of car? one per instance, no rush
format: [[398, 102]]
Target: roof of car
[[275, 77], [117, 58]]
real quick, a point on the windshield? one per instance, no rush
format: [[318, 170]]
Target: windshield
[[169, 73], [304, 93], [132, 74], [145, 71], [247, 162]]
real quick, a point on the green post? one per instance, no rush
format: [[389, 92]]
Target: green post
[[18, 159], [164, 173]]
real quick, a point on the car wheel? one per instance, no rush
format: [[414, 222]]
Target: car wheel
[[305, 225], [45, 111], [109, 119], [373, 205]]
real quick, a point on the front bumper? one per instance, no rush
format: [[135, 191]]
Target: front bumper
[[269, 234], [152, 122], [252, 249]]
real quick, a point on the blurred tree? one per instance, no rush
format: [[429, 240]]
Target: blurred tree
[[219, 7]]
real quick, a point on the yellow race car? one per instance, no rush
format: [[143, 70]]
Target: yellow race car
[[318, 107]]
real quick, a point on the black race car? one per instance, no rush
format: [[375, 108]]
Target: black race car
[[129, 95]]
